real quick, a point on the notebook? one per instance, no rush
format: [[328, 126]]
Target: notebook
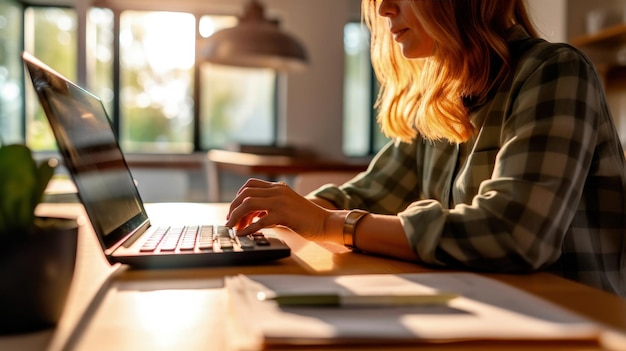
[[95, 161], [484, 309]]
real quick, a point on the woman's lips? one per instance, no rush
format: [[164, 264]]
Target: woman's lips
[[397, 34]]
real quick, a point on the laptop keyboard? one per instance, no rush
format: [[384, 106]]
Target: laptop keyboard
[[203, 238]]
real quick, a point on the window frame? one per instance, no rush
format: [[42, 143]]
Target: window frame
[[375, 138], [115, 107]]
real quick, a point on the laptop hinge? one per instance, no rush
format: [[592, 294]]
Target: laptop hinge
[[130, 238]]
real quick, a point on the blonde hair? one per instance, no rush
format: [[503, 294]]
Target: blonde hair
[[470, 57]]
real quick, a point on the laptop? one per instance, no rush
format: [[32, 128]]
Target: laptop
[[107, 190]]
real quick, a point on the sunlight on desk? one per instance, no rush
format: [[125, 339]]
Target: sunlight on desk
[[315, 257], [165, 318], [155, 311]]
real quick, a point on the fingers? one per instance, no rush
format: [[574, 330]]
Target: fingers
[[254, 199], [258, 183], [261, 204], [254, 188], [248, 209], [254, 226], [266, 219], [245, 220]]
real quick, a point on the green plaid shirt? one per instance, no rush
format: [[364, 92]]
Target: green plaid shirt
[[541, 186]]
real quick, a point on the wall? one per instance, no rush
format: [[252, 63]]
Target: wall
[[550, 17], [314, 113], [577, 11]]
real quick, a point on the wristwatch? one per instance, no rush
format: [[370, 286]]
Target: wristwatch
[[352, 219]]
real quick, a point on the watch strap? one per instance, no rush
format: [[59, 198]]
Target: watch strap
[[349, 227]]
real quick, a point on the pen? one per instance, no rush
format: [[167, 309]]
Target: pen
[[440, 298]]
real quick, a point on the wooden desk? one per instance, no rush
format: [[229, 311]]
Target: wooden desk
[[113, 308], [248, 164]]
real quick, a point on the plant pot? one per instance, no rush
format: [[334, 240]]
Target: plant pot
[[36, 272]]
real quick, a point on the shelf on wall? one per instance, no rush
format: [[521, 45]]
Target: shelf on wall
[[608, 41], [606, 37]]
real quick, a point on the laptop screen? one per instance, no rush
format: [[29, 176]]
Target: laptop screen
[[91, 153]]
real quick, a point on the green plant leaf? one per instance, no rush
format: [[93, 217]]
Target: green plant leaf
[[18, 180], [45, 171]]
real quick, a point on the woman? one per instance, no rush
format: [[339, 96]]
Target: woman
[[504, 155]]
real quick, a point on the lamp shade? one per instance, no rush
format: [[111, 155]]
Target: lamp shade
[[255, 42]]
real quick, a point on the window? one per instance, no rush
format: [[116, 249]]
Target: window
[[361, 134], [237, 105], [100, 41], [149, 90], [11, 107], [157, 61], [49, 34], [160, 97]]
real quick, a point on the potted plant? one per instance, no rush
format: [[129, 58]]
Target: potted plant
[[37, 254]]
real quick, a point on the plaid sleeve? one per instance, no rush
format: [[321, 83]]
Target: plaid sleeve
[[545, 125], [541, 186], [388, 186]]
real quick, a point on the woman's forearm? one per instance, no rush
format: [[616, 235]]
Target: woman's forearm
[[377, 234]]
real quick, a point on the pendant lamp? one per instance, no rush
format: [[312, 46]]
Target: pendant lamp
[[255, 42]]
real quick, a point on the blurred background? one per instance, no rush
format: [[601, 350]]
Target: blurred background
[[170, 105]]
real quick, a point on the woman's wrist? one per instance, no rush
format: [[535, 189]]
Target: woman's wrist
[[334, 226], [322, 202]]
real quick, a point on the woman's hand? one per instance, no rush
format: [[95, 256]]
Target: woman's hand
[[273, 204]]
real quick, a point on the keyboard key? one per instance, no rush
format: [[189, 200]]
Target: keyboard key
[[246, 242], [260, 239], [206, 238], [170, 241], [226, 244], [154, 240], [188, 241]]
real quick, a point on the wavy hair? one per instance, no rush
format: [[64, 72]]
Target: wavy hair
[[470, 57]]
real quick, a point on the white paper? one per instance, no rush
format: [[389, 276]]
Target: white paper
[[485, 310]]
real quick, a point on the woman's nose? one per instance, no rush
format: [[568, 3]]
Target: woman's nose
[[387, 8]]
